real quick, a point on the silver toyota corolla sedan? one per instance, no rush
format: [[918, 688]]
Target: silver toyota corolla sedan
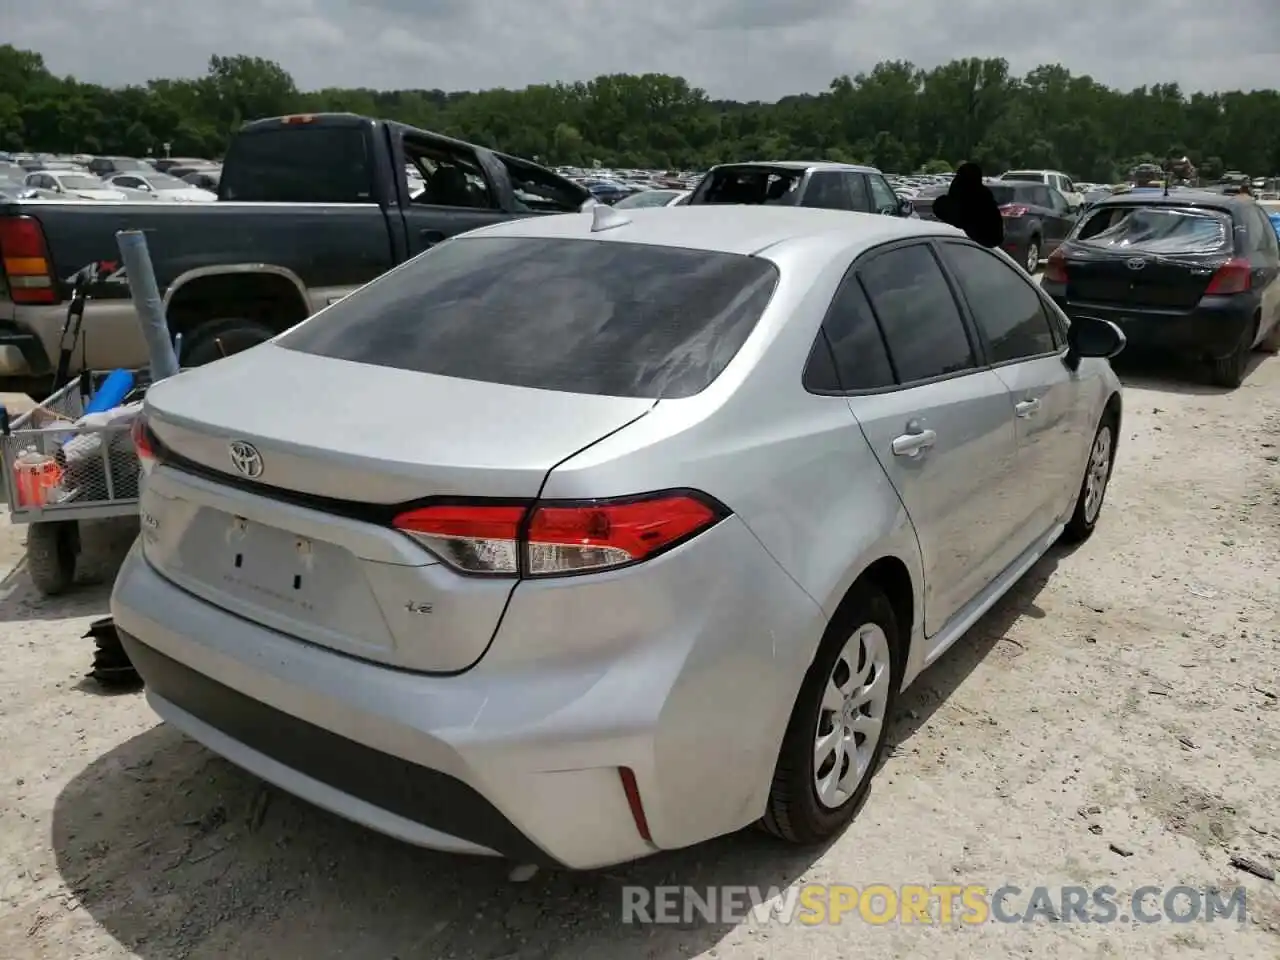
[[581, 537]]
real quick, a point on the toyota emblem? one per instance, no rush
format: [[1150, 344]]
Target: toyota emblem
[[1136, 263], [246, 459]]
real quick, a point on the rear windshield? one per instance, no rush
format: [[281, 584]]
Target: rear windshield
[[1031, 175], [751, 185], [579, 316], [1157, 229], [299, 164], [1005, 193]]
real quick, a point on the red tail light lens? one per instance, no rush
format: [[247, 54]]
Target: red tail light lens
[[144, 444], [1055, 270], [25, 259], [473, 538], [1234, 276], [559, 538], [1012, 210]]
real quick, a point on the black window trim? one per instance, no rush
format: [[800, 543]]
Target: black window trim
[[972, 321], [822, 341], [979, 352]]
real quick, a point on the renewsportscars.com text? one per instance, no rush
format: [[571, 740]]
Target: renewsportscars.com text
[[880, 904]]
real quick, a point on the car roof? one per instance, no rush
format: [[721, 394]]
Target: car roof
[[727, 228], [1174, 198], [798, 165]]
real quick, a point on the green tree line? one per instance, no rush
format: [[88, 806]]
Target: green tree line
[[897, 116]]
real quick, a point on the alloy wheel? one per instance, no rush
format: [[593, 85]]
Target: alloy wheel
[[1095, 482], [851, 716]]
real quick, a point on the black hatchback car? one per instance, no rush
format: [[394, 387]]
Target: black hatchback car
[[1191, 274]]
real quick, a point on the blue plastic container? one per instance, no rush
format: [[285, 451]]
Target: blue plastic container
[[114, 389]]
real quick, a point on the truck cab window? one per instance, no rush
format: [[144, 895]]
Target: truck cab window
[[450, 178], [299, 164]]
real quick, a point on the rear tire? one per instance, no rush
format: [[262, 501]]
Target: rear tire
[[215, 339], [862, 642], [1229, 371], [52, 550], [1031, 258]]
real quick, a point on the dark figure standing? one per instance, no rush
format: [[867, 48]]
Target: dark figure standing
[[970, 205]]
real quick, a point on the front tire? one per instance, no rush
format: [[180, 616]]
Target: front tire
[[1093, 487], [837, 732]]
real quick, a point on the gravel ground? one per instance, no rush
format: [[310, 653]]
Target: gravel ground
[[1113, 721]]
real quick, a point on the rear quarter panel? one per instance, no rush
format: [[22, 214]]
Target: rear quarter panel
[[792, 465]]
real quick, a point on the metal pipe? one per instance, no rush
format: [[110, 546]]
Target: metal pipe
[[147, 302]]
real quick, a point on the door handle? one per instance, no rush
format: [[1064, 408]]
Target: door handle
[[431, 237], [913, 444], [1027, 408]]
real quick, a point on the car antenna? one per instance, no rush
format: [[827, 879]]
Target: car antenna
[[604, 217]]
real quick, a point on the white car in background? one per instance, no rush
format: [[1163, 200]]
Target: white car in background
[[160, 186], [1052, 178], [660, 197], [67, 185]]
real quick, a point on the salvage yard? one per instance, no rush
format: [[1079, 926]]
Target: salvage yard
[[1114, 721]]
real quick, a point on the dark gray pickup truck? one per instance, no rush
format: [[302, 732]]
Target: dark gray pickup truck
[[310, 207]]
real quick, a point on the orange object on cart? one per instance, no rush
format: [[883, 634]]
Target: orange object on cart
[[36, 478]]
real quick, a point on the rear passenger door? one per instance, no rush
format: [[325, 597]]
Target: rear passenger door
[[1057, 219], [859, 195], [1024, 349], [943, 433]]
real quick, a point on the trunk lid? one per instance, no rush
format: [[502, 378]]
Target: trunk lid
[[1157, 257], [305, 547]]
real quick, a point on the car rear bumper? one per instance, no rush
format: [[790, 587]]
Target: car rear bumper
[[1212, 330], [519, 756]]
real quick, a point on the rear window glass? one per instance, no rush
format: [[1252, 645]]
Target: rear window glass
[[1157, 229], [299, 164], [1007, 194], [1031, 175], [751, 185], [580, 316]]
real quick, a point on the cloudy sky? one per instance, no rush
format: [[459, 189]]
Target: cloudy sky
[[745, 49]]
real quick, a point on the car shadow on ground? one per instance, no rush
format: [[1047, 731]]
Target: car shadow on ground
[[175, 852], [1175, 376], [104, 544]]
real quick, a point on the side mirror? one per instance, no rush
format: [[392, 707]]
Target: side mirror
[[1092, 337], [905, 207]]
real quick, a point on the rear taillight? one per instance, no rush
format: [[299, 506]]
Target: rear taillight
[[1055, 270], [1234, 276], [1012, 210], [25, 258], [145, 444], [555, 538]]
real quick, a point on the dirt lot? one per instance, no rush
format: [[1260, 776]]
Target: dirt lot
[[1114, 721]]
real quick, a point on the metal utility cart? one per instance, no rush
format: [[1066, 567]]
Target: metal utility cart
[[58, 473]]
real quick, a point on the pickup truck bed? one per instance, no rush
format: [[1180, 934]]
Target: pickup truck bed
[[237, 272]]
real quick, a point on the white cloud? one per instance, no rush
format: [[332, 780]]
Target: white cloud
[[742, 49]]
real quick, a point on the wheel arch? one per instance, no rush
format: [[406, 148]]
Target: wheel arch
[[891, 575], [265, 292]]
